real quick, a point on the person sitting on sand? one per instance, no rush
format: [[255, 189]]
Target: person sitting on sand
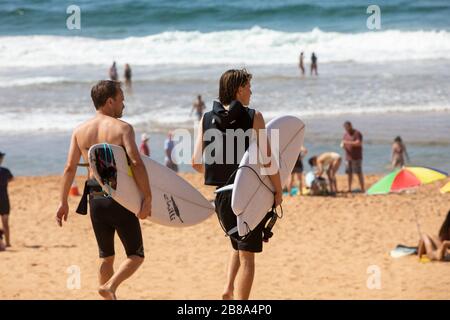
[[107, 216], [399, 153], [328, 162], [436, 248]]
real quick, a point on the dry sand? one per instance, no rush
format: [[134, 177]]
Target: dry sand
[[323, 248]]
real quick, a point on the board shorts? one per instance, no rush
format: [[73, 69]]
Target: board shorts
[[254, 242], [298, 168], [353, 166], [4, 206], [107, 217]]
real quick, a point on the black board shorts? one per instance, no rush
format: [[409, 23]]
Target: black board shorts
[[4, 205], [253, 243], [107, 217]]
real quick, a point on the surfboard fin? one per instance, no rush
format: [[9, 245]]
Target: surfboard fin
[[225, 188]]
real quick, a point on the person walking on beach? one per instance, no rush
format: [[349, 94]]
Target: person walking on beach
[[330, 163], [127, 76], [436, 248], [113, 75], [5, 178], [298, 171], [169, 145], [107, 215], [353, 146], [314, 63], [143, 147], [199, 107], [399, 153], [300, 64], [230, 114]]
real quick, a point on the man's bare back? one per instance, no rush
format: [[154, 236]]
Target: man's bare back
[[101, 129]]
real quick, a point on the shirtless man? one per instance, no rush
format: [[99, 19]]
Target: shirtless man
[[108, 216], [328, 162], [199, 107]]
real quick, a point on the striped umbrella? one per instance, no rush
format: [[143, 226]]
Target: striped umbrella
[[446, 188], [406, 178]]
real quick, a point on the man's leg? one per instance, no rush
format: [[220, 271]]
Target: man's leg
[[106, 269], [361, 181], [5, 222], [126, 270], [300, 183], [233, 268], [247, 260], [350, 178]]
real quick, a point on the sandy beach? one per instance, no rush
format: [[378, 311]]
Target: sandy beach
[[321, 249]]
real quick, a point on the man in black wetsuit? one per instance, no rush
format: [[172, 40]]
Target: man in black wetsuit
[[231, 115], [107, 215]]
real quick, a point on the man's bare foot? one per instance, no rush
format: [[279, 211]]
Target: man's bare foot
[[228, 295], [107, 293], [8, 245]]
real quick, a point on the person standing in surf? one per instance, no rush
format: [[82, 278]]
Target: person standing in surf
[[113, 75], [107, 215], [231, 114], [399, 155], [301, 64], [314, 64]]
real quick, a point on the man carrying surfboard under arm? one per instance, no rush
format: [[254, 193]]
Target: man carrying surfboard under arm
[[231, 113], [107, 215]]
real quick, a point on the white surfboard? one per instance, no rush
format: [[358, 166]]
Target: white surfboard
[[175, 202], [251, 199]]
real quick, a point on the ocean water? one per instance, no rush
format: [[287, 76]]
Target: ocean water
[[392, 81]]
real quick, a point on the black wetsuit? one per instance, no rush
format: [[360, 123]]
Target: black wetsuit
[[107, 217], [220, 174], [5, 176]]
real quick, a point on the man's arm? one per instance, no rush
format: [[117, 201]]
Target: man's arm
[[139, 171], [197, 157], [319, 168], [259, 124], [69, 174]]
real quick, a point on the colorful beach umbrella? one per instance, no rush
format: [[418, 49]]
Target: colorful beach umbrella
[[446, 188], [406, 178]]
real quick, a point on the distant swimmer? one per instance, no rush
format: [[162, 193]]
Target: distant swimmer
[[330, 163], [127, 76], [314, 63], [301, 64], [399, 154], [113, 75], [199, 107], [108, 216]]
